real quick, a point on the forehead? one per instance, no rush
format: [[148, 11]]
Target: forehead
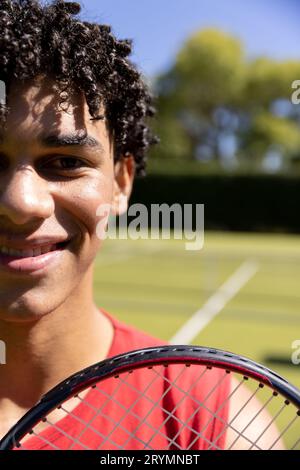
[[34, 111]]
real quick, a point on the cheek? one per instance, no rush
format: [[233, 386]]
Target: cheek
[[82, 204]]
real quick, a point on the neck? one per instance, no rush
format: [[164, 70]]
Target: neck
[[41, 354]]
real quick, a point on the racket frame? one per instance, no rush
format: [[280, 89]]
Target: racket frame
[[148, 357]]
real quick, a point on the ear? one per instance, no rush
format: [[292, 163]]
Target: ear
[[124, 170]]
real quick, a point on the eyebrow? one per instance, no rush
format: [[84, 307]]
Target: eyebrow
[[71, 140]]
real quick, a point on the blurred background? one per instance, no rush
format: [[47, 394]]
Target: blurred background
[[222, 74]]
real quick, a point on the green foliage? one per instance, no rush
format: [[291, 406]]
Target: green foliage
[[210, 70], [268, 80], [174, 143], [213, 93], [270, 130]]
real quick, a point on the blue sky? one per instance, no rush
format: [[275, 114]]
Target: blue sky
[[159, 27]]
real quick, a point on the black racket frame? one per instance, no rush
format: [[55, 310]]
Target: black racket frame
[[148, 357]]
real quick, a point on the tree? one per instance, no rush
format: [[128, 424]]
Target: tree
[[213, 95]]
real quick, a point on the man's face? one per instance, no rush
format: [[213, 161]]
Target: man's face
[[50, 190]]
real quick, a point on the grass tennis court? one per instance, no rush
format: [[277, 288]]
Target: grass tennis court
[[157, 285]]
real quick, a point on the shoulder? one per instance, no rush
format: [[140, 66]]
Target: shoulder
[[252, 427]]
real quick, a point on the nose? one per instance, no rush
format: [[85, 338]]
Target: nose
[[25, 196]]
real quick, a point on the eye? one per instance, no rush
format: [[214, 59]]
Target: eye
[[65, 163]]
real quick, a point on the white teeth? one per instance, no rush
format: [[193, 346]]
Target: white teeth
[[46, 249], [37, 252], [27, 253]]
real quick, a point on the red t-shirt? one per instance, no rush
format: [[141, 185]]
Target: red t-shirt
[[113, 427]]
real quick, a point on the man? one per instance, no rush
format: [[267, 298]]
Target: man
[[73, 135]]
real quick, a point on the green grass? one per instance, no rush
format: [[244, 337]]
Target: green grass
[[157, 285]]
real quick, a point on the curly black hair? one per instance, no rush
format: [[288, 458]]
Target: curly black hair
[[48, 40]]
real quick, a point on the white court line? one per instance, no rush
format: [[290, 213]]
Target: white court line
[[215, 303]]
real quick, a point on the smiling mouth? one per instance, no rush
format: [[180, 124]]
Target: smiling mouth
[[33, 252]]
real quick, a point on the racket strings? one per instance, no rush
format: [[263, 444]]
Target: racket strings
[[291, 423], [141, 408], [186, 395], [59, 430], [154, 406], [89, 422], [22, 446], [242, 433], [179, 403], [269, 424], [40, 436], [89, 427], [127, 411], [118, 425], [294, 447], [98, 412], [261, 409], [273, 421], [238, 413], [215, 415], [171, 414]]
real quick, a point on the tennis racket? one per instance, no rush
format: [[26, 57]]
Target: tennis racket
[[169, 397]]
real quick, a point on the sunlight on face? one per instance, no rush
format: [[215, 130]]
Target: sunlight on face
[[52, 181]]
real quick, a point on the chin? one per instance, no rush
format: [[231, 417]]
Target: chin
[[21, 311]]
